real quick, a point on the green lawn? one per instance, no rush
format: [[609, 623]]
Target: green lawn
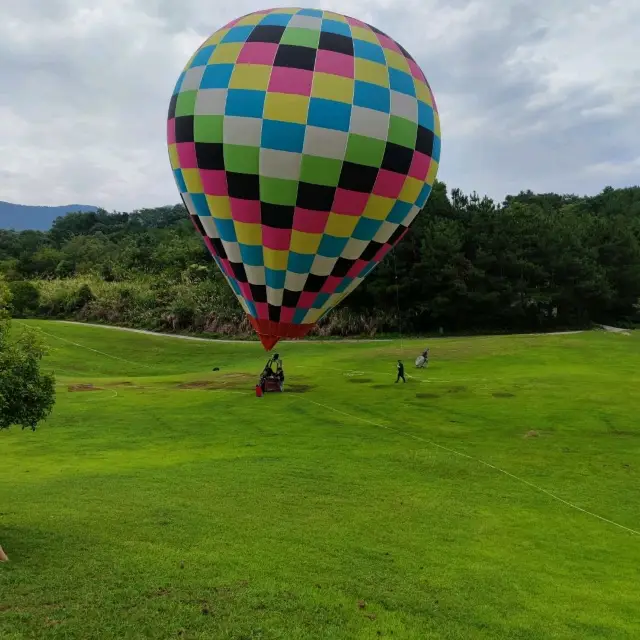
[[170, 502]]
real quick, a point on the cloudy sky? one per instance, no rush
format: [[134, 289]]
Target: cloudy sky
[[540, 94]]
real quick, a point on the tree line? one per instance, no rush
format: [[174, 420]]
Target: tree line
[[532, 262]]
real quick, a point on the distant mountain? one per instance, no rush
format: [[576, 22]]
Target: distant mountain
[[21, 217]]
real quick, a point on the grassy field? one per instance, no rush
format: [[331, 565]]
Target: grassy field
[[169, 502]]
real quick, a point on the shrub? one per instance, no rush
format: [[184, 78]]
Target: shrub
[[25, 298]]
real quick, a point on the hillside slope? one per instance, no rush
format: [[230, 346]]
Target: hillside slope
[[164, 498]]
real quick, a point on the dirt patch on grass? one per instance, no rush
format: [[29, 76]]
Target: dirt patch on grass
[[49, 622], [127, 385], [200, 384], [459, 389], [531, 434], [503, 394], [236, 381], [427, 396], [360, 380], [298, 388], [228, 381], [83, 387]]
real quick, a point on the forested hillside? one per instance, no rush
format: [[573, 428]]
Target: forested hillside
[[533, 262]]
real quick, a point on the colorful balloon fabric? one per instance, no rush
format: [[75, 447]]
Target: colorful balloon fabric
[[303, 143]]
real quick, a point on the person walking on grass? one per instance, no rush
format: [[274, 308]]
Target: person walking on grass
[[400, 372]]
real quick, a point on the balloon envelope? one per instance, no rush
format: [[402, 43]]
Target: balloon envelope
[[303, 143]]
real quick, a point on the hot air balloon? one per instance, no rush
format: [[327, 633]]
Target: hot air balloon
[[303, 143]]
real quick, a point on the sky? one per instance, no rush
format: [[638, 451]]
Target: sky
[[541, 95]]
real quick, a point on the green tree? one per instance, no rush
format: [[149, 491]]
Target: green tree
[[42, 263], [27, 394], [535, 261]]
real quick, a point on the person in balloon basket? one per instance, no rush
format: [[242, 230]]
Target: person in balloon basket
[[269, 373], [400, 368]]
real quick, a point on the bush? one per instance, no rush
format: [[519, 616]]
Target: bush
[[207, 306], [107, 273], [82, 298], [65, 269], [25, 298], [63, 298]]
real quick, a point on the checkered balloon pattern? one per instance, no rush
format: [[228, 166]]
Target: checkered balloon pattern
[[303, 143]]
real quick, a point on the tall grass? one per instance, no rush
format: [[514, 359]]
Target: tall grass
[[178, 306]]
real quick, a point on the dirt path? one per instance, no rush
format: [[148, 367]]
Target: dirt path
[[226, 341], [623, 332], [182, 337]]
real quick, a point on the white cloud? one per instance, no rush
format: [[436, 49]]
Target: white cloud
[[613, 169], [586, 45], [541, 95]]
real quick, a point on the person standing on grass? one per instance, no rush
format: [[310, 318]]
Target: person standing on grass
[[400, 372]]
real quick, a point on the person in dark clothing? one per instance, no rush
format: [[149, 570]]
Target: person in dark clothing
[[400, 372]]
